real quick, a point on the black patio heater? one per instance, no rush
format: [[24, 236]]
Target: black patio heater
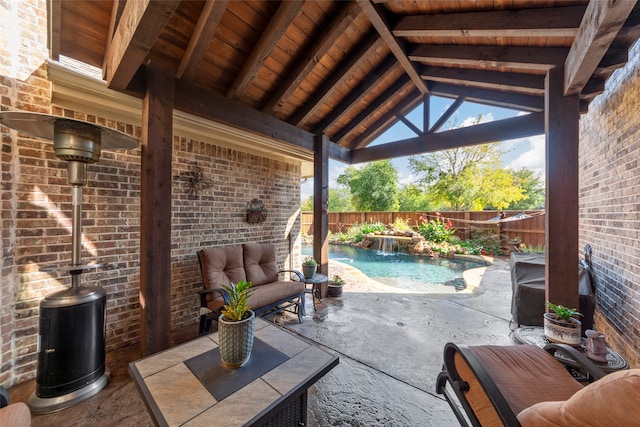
[[71, 341]]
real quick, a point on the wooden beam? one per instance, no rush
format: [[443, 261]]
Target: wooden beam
[[113, 18], [410, 125], [446, 115], [55, 25], [601, 23], [202, 34], [357, 96], [371, 45], [375, 14], [516, 101], [373, 107], [512, 82], [523, 57], [139, 27], [277, 26], [426, 113], [155, 211], [334, 29], [483, 133], [562, 176], [321, 203], [547, 22], [387, 120]]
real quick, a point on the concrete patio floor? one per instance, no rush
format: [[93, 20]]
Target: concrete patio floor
[[389, 342]]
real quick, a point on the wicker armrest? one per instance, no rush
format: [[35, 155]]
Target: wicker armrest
[[579, 358]]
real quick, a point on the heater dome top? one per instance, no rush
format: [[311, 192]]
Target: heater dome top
[[42, 126]]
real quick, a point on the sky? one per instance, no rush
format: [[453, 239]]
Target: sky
[[517, 153]]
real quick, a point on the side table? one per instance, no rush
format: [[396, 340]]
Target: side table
[[534, 335], [316, 290]]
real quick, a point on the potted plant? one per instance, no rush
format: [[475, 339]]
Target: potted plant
[[335, 286], [309, 267], [561, 325], [236, 327]]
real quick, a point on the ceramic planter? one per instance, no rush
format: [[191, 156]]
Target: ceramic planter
[[309, 270], [562, 331], [235, 341], [334, 290]]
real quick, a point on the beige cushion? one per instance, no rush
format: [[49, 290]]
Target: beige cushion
[[15, 415], [262, 296], [611, 401], [220, 266], [260, 263]]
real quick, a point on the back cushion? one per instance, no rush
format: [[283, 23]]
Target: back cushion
[[221, 266], [260, 263]]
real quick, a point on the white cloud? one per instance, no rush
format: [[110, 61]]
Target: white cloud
[[533, 158], [473, 120]]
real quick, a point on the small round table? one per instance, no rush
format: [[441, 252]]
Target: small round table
[[315, 291], [534, 335]]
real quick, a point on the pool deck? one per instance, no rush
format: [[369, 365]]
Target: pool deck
[[389, 342]]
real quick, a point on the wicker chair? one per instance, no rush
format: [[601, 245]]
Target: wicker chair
[[525, 385]]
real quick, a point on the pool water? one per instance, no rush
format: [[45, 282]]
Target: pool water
[[402, 270]]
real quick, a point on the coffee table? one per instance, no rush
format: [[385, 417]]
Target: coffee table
[[188, 386]]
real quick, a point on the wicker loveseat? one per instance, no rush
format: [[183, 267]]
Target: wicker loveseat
[[271, 292]]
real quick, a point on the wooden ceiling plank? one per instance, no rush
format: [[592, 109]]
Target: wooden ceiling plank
[[365, 50], [387, 120], [446, 115], [320, 47], [372, 107], [516, 101], [543, 22], [277, 26], [376, 17], [357, 95], [534, 58], [521, 82], [601, 23], [139, 27], [202, 34], [500, 130], [55, 25]]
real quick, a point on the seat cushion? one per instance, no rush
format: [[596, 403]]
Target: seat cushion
[[220, 266], [260, 263], [526, 374], [262, 296], [611, 401]]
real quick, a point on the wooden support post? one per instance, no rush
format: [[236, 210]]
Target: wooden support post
[[155, 211], [562, 115], [321, 203]]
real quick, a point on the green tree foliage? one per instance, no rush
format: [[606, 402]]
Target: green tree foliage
[[339, 201], [533, 188], [307, 205], [373, 187], [413, 199]]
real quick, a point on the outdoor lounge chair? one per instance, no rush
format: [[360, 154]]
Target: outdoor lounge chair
[[525, 385]]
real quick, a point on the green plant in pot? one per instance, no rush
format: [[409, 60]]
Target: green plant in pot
[[309, 267], [236, 326], [561, 325], [335, 286]]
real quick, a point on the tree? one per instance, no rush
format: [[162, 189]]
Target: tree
[[373, 187], [307, 205], [413, 199], [533, 189], [340, 200]]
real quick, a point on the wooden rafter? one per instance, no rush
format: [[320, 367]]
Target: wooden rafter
[[600, 25], [202, 34], [559, 22], [292, 78], [113, 19], [376, 17], [515, 127], [517, 101], [357, 96], [387, 120], [268, 41], [446, 115], [410, 125], [363, 52], [139, 27], [524, 57], [513, 82]]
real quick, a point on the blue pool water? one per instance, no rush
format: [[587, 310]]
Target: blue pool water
[[402, 270]]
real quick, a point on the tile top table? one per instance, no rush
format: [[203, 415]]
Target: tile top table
[[188, 386]]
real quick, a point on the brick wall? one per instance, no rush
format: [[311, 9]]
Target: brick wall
[[610, 205]]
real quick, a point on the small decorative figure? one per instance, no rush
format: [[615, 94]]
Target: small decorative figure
[[596, 348]]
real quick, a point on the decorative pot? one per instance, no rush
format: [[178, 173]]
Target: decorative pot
[[335, 290], [562, 331], [235, 340], [309, 270]]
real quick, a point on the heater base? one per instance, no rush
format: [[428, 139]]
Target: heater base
[[45, 405]]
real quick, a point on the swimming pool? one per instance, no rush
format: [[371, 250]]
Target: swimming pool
[[403, 270]]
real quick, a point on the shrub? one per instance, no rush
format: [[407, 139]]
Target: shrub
[[436, 230]]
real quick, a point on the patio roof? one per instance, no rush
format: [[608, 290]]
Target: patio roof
[[351, 69]]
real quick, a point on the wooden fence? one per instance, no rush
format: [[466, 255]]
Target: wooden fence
[[530, 231]]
